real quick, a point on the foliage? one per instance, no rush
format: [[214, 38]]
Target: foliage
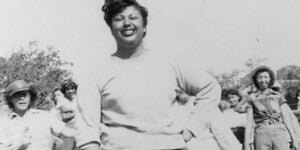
[[239, 78], [40, 66], [252, 63], [290, 88], [229, 80], [289, 72]]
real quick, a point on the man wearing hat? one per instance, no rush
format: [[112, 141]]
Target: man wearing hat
[[25, 128]]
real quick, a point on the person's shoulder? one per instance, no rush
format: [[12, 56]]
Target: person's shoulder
[[38, 112], [4, 119]]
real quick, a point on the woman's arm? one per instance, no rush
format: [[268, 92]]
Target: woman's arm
[[291, 123], [206, 94], [242, 106], [59, 127]]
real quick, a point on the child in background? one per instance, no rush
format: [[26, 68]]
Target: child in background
[[237, 121], [62, 143], [73, 115]]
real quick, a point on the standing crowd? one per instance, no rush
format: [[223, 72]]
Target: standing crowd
[[149, 103]]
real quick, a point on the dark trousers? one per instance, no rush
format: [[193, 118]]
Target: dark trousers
[[239, 133]]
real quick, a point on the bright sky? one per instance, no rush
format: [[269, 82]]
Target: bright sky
[[218, 34]]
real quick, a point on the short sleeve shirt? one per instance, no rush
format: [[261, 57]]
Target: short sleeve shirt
[[266, 107], [39, 125]]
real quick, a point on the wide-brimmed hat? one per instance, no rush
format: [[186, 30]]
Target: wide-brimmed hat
[[16, 86], [263, 68]]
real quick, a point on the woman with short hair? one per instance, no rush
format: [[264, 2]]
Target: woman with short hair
[[138, 90], [275, 126]]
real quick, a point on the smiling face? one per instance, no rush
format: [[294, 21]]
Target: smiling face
[[263, 80], [233, 99], [128, 27], [21, 101]]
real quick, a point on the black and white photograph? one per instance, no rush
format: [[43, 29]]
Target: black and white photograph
[[149, 75]]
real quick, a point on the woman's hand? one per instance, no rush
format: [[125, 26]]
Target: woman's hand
[[187, 135]]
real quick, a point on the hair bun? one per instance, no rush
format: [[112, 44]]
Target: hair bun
[[110, 4]]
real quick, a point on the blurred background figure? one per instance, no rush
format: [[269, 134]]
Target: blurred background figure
[[75, 117], [298, 98], [61, 143], [236, 120]]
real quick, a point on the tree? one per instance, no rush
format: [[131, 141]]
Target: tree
[[229, 80], [255, 62], [289, 72], [37, 65], [239, 78]]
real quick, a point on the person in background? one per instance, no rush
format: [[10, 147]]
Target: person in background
[[237, 121], [277, 87], [26, 128], [270, 119], [57, 96], [224, 104], [298, 98], [61, 143], [74, 116], [221, 133], [297, 111], [291, 97]]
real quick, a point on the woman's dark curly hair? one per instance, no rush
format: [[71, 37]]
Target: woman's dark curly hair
[[68, 84], [33, 97], [112, 7], [263, 69], [233, 92]]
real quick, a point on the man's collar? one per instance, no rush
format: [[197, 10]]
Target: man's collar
[[13, 115]]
